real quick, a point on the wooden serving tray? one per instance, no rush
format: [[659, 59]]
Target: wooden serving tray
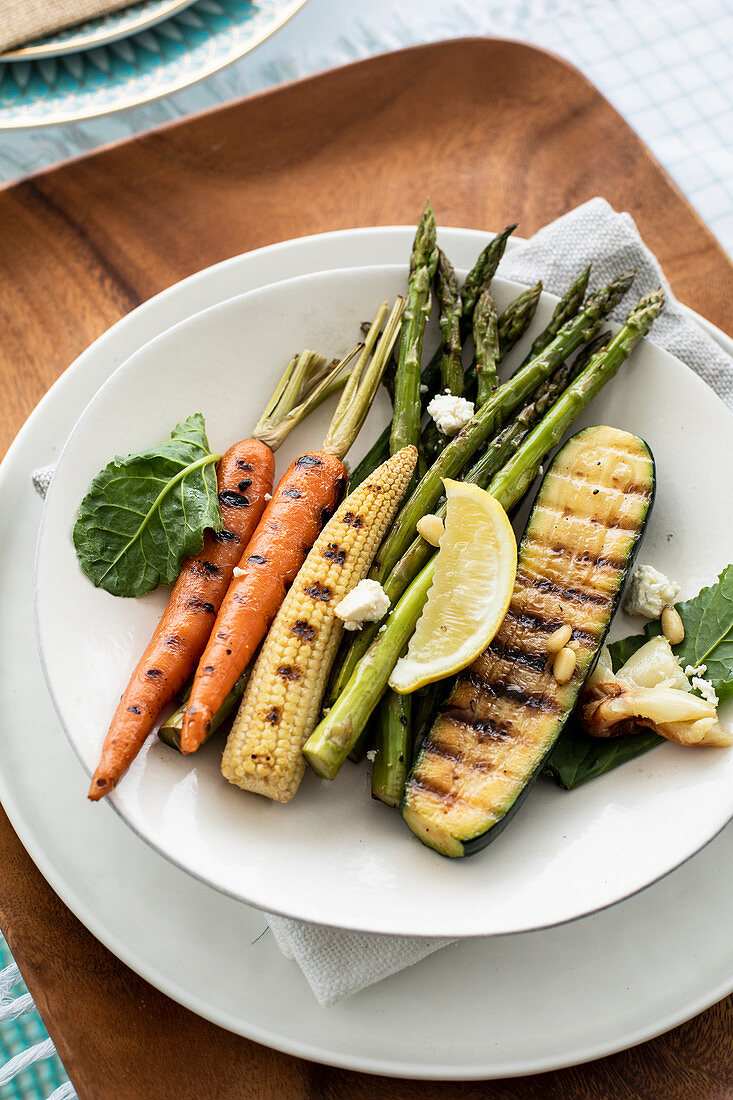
[[493, 131]]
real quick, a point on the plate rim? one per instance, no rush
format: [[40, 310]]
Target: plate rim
[[147, 837], [18, 814], [289, 9]]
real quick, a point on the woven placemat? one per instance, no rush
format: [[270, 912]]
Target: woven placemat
[[30, 1068]]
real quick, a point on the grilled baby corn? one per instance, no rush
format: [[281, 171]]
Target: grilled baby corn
[[282, 701]]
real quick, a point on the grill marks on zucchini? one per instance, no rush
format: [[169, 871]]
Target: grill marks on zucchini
[[506, 710]]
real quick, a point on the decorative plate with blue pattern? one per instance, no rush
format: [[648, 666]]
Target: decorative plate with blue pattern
[[197, 41], [98, 32]]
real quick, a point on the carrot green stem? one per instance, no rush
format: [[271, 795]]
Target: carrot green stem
[[364, 380], [308, 380]]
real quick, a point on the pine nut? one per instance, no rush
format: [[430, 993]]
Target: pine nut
[[672, 626], [559, 639], [563, 666], [431, 528]]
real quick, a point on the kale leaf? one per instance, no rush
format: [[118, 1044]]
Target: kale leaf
[[145, 513]]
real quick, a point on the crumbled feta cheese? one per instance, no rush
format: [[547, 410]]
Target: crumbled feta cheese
[[706, 689], [371, 755], [423, 388], [450, 413], [239, 572], [650, 592], [268, 496], [695, 670], [366, 603]]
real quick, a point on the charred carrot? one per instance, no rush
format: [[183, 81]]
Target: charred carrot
[[244, 478], [305, 497]]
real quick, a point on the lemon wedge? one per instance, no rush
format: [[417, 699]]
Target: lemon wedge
[[474, 579]]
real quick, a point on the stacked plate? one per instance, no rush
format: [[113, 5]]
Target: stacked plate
[[130, 57], [548, 971]]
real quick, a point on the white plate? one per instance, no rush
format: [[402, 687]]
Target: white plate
[[581, 991], [334, 856]]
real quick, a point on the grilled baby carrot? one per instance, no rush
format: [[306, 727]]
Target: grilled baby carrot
[[307, 494], [244, 477], [310, 489], [244, 481], [283, 697]]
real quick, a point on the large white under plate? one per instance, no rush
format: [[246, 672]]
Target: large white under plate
[[581, 990]]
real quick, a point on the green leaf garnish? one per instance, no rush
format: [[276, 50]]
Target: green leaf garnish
[[708, 622], [145, 513], [577, 757]]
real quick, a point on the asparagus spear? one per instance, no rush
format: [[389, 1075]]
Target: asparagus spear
[[406, 406], [452, 320], [379, 450], [514, 477], [517, 317], [566, 308], [394, 736], [424, 707], [492, 415], [482, 273], [584, 356], [329, 744], [512, 325], [486, 345], [451, 308], [406, 419]]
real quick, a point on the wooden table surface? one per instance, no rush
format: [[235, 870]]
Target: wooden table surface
[[494, 132]]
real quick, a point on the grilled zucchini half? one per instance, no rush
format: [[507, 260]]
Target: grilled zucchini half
[[506, 710]]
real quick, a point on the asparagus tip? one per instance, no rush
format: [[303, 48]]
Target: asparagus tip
[[652, 302]]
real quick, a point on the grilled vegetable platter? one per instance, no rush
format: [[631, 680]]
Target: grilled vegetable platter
[[383, 613]]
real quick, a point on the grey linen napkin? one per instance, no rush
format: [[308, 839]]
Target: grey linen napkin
[[22, 21], [339, 963], [595, 234]]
